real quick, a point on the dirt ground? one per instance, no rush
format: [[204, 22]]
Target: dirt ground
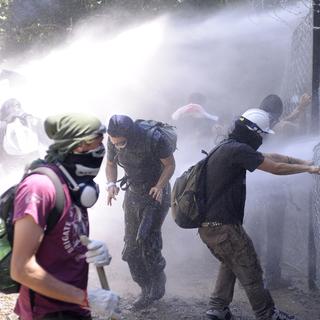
[[191, 272], [193, 301]]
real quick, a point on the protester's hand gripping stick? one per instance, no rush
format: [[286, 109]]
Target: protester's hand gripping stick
[[102, 276]]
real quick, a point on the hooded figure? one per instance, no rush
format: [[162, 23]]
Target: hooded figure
[[148, 162]]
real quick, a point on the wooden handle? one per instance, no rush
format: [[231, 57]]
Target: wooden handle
[[103, 278], [101, 274]]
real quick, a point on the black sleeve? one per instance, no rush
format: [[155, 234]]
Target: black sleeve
[[247, 158], [111, 150], [161, 146]]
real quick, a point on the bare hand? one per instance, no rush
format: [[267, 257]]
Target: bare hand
[[314, 169], [305, 100], [112, 192], [156, 193]]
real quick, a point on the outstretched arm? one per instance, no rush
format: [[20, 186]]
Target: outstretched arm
[[303, 103], [286, 159], [285, 168]]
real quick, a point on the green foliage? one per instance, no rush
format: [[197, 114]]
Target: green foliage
[[28, 24]]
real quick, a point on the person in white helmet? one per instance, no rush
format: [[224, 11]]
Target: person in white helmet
[[222, 230]]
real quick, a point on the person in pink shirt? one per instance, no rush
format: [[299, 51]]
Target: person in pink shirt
[[52, 267]]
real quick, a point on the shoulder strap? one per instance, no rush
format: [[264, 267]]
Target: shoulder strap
[[215, 149], [57, 210]]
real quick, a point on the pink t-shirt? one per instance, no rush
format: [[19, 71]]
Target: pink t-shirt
[[61, 253]]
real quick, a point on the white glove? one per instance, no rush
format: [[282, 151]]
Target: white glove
[[98, 253], [103, 302]]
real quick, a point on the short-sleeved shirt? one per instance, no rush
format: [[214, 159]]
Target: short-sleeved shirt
[[141, 159], [60, 253], [226, 181]]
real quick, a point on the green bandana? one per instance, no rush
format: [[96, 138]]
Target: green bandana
[[68, 131]]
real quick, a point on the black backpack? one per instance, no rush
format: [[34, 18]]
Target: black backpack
[[166, 130], [7, 285], [152, 126], [188, 197]]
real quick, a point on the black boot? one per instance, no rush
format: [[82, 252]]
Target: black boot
[[143, 299], [158, 286]]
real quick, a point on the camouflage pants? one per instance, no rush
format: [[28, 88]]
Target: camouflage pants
[[234, 249], [143, 240]]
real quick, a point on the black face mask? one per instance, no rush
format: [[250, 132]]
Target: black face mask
[[242, 134], [83, 168]]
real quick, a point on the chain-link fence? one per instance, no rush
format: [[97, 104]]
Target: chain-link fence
[[315, 211], [297, 81]]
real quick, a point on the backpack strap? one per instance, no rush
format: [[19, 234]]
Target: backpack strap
[[57, 210]]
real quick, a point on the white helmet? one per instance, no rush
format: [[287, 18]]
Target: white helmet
[[260, 120]]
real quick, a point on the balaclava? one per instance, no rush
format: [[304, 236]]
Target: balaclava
[[243, 134]]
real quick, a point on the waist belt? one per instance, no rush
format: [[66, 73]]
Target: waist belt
[[211, 224]]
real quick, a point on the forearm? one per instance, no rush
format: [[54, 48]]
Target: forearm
[[33, 276], [165, 176], [287, 169], [285, 159], [111, 172], [294, 115]]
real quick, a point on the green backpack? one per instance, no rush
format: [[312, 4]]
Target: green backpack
[[7, 285], [188, 197]]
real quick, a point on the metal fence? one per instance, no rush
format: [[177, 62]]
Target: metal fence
[[297, 81]]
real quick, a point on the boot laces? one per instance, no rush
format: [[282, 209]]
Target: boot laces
[[280, 315]]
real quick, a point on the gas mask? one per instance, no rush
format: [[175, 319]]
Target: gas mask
[[80, 169]]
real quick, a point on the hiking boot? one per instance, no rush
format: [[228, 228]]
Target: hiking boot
[[158, 287], [280, 315], [215, 314], [143, 299]]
